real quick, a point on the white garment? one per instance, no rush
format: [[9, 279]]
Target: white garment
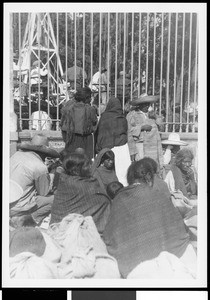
[[45, 121], [170, 181], [167, 157], [122, 162]]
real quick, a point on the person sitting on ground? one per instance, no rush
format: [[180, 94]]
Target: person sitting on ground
[[182, 175], [78, 192], [113, 188], [170, 147], [103, 167], [131, 213], [28, 169]]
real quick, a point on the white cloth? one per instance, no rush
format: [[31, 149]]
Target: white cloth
[[45, 120], [167, 157], [165, 266], [122, 162]]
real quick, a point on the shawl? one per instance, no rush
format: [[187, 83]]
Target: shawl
[[112, 127], [143, 222], [103, 175], [179, 182], [82, 196]]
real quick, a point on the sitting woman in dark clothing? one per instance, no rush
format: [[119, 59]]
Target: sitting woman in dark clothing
[[182, 175], [143, 222], [103, 167], [80, 193]]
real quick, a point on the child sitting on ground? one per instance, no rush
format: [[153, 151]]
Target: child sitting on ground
[[113, 188]]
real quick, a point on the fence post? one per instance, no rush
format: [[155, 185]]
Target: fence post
[[13, 116]]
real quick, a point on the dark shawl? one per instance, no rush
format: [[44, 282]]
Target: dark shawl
[[103, 175], [142, 223], [179, 182], [112, 127], [82, 196]]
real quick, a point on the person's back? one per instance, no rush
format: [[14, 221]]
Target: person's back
[[146, 216], [79, 193], [25, 168]]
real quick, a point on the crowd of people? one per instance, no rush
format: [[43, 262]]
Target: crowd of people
[[116, 202]]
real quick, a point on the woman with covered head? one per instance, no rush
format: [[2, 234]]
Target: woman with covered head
[[112, 133], [78, 192], [182, 175], [143, 222]]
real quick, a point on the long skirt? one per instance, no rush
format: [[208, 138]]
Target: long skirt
[[122, 162], [82, 141]]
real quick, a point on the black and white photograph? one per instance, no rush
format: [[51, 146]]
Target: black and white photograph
[[104, 145]]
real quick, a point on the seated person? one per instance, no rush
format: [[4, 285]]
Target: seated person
[[113, 188], [29, 171], [182, 175], [78, 192], [130, 235], [103, 167]]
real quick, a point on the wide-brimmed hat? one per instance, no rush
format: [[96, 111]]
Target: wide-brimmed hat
[[15, 191], [39, 143], [174, 139], [144, 98]]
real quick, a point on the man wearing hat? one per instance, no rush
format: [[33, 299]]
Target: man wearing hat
[[170, 147], [138, 123], [29, 172]]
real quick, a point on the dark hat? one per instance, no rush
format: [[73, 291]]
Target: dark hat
[[26, 239], [144, 98], [39, 143]]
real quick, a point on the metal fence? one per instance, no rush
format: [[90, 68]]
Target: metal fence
[[157, 52]]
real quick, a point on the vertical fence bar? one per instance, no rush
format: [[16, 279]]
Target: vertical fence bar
[[83, 51], [58, 92], [19, 44], [108, 57], [139, 70], [66, 60], [161, 63], [189, 73], [124, 61], [99, 94], [29, 75], [75, 48], [153, 81], [168, 70], [182, 74], [116, 50], [39, 101], [91, 48], [147, 54], [196, 61], [175, 62], [132, 41], [48, 65]]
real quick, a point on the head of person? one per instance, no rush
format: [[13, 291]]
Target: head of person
[[103, 70], [143, 102], [173, 142], [183, 159], [83, 95], [107, 160], [141, 171], [152, 162], [113, 188], [77, 164], [40, 144]]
